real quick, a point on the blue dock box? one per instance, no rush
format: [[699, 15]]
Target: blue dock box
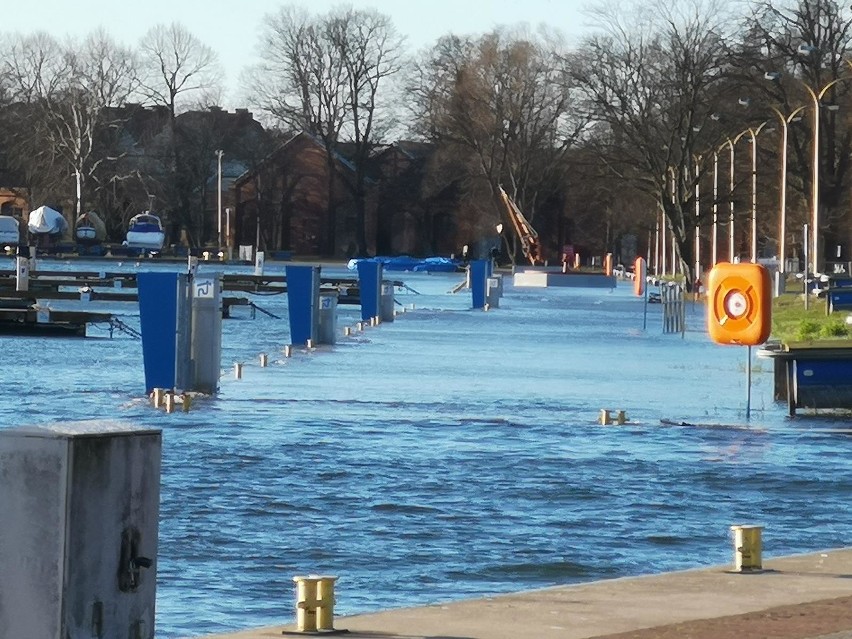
[[813, 374]]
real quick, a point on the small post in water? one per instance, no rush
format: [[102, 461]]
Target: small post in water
[[748, 385]]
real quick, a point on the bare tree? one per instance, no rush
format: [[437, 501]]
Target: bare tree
[[653, 78], [174, 64], [506, 101], [32, 66], [176, 70], [99, 76], [371, 50], [301, 84], [324, 75]]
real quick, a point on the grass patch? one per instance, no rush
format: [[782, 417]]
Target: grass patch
[[791, 322]]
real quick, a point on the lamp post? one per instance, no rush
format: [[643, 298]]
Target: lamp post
[[714, 240], [697, 217], [753, 133], [731, 143], [219, 154], [782, 188], [816, 97]]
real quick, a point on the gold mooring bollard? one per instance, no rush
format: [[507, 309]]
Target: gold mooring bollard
[[170, 402], [157, 397], [605, 418], [748, 548], [347, 331], [238, 370], [315, 603], [288, 350], [621, 417], [187, 402], [264, 360], [309, 344]]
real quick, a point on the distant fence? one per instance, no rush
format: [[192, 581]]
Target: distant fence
[[674, 308]]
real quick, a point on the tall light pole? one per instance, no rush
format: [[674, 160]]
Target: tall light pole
[[697, 217], [753, 133], [219, 154], [782, 188], [816, 97], [714, 240], [731, 144]]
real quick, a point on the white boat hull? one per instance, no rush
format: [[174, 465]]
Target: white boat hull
[[146, 239], [87, 233]]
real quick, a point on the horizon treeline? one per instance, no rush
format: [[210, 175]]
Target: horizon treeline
[[630, 133]]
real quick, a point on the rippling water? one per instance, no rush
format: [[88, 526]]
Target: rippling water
[[452, 453]]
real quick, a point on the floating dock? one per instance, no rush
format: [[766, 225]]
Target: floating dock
[[21, 312], [814, 375], [549, 277]]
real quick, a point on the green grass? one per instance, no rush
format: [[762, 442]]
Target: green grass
[[792, 323]]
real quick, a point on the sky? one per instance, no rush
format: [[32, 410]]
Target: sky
[[231, 27]]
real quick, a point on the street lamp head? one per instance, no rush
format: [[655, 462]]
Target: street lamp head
[[772, 76], [806, 49], [830, 107]]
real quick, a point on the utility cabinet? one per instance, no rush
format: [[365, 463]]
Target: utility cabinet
[[79, 510]]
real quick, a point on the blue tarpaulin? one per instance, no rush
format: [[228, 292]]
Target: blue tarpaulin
[[406, 263]]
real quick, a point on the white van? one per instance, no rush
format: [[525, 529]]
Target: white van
[[9, 234]]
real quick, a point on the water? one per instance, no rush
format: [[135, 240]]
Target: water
[[453, 453]]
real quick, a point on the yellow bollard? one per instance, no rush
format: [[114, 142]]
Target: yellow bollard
[[238, 370], [605, 418], [157, 397], [346, 331], [315, 603], [325, 594], [309, 344], [264, 360], [288, 350], [187, 402], [306, 603], [621, 417], [748, 549], [170, 402]]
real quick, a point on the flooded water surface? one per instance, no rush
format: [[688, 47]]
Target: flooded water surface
[[452, 453]]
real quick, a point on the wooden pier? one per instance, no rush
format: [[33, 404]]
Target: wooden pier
[[20, 311]]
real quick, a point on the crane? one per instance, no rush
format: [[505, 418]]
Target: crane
[[526, 233]]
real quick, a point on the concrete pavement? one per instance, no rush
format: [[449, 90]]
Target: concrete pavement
[[797, 597]]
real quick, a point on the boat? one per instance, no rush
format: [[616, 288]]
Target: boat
[[90, 228], [145, 231], [46, 225], [9, 231]]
